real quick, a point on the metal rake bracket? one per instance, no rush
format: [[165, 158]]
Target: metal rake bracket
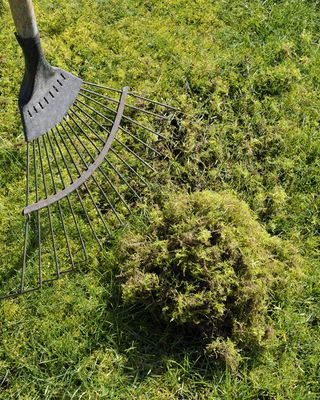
[[83, 177]]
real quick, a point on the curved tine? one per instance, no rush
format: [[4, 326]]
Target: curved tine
[[86, 165], [48, 208], [92, 158], [85, 185], [99, 137], [99, 168], [125, 146], [126, 105], [114, 152], [68, 198], [77, 191], [101, 126], [59, 205], [114, 111], [24, 257], [38, 212]]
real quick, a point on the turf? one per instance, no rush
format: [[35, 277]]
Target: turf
[[246, 76]]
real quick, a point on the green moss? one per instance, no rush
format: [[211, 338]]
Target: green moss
[[246, 76], [203, 262]]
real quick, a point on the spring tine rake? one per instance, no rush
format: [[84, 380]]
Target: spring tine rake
[[89, 155]]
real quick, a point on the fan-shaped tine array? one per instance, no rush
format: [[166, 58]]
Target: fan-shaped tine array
[[84, 176]]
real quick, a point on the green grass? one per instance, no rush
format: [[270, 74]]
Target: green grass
[[246, 75]]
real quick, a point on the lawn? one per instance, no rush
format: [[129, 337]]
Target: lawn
[[246, 76]]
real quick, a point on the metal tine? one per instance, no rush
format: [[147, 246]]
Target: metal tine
[[152, 101], [92, 158], [136, 155], [59, 205], [48, 209], [77, 191], [127, 132], [38, 212], [85, 184], [24, 260], [126, 105], [103, 87], [122, 178], [130, 168], [132, 94], [141, 141], [115, 112], [86, 165], [92, 119], [106, 159], [99, 168], [119, 141], [68, 198], [111, 149]]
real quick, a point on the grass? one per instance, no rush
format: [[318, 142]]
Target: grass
[[246, 74]]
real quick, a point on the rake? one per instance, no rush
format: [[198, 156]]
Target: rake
[[89, 155]]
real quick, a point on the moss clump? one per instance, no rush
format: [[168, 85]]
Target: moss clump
[[205, 264]]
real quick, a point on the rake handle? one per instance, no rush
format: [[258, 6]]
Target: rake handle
[[24, 18]]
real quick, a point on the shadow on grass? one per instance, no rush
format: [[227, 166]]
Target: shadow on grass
[[152, 347]]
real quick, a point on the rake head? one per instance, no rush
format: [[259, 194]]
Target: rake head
[[90, 151], [46, 92]]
